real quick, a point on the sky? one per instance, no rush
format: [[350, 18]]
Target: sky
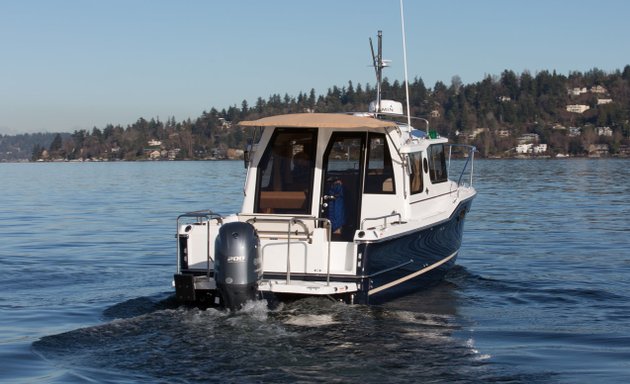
[[67, 65]]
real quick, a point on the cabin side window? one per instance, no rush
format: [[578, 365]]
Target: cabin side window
[[415, 178], [437, 163], [285, 172], [379, 177]]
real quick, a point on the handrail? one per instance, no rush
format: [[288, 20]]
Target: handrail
[[291, 221], [299, 220], [257, 219], [470, 159], [328, 227], [382, 217], [199, 215]]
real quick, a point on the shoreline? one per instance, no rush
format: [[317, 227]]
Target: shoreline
[[22, 161]]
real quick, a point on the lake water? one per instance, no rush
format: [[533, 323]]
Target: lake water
[[540, 293]]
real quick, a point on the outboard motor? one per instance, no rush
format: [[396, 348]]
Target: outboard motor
[[237, 264]]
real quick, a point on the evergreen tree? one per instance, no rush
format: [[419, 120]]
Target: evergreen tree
[[37, 152], [56, 144]]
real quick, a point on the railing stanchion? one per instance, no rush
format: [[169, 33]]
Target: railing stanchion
[[199, 216]]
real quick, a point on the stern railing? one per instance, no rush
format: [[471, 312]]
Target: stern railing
[[300, 221], [199, 216]]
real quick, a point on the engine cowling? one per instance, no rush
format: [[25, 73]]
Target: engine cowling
[[237, 264]]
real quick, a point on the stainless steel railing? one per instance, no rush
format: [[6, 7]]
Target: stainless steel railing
[[384, 218], [469, 160], [300, 221], [200, 216]]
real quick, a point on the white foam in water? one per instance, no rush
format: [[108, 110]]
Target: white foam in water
[[257, 309], [429, 319], [470, 343], [311, 320], [199, 317]]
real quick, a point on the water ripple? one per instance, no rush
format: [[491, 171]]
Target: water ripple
[[539, 293]]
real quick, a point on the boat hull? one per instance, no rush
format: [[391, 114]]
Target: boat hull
[[387, 269], [411, 262]]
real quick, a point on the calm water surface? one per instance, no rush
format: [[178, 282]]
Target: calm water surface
[[540, 293]]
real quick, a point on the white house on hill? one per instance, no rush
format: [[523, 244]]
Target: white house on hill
[[577, 108]]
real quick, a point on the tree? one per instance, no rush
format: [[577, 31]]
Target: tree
[[509, 81], [37, 152], [56, 144], [456, 84]]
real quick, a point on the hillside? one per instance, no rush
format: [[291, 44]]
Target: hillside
[[547, 114]]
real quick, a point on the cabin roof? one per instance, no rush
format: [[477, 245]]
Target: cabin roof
[[319, 120]]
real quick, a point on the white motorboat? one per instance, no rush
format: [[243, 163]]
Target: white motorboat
[[356, 207]]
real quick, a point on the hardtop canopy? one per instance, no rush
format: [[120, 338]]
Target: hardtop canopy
[[319, 120]]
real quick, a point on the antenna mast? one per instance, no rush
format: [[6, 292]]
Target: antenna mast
[[404, 41], [377, 60]]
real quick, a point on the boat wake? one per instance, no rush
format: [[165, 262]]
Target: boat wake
[[140, 306], [308, 340]]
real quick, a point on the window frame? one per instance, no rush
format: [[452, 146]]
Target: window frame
[[377, 186], [416, 170], [437, 163], [286, 199]]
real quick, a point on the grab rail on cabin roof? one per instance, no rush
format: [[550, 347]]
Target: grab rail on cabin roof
[[200, 216], [382, 217], [299, 220]]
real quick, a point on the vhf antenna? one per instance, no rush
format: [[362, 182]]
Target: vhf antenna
[[377, 60]]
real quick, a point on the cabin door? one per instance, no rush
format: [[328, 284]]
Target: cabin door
[[342, 183], [286, 172]]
